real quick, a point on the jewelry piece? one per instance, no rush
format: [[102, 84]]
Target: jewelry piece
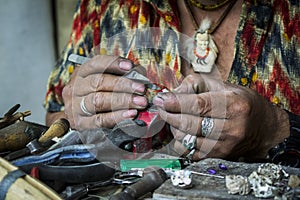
[[182, 178], [190, 155], [211, 171], [83, 108], [189, 141], [207, 126], [204, 52], [208, 7], [237, 184], [222, 166]]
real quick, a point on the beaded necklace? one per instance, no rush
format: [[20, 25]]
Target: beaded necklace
[[208, 7]]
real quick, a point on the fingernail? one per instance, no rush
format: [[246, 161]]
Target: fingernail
[[125, 65], [129, 113], [158, 101], [140, 101], [138, 87]]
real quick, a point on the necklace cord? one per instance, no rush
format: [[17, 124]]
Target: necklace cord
[[219, 21], [208, 7]]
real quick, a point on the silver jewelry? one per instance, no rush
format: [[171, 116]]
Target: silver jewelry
[[189, 141], [182, 178], [83, 108], [207, 126], [190, 155]]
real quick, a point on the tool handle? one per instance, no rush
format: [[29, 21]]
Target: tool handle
[[57, 129], [150, 181]]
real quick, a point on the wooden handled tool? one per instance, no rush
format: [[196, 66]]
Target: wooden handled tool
[[57, 129]]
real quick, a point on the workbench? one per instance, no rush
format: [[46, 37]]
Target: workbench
[[206, 187]]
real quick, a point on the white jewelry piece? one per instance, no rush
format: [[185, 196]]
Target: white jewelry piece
[[182, 178], [189, 141], [205, 51], [190, 155], [83, 108], [237, 184], [207, 126]]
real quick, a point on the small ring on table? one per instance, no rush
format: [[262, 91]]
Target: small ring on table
[[189, 141], [207, 126], [83, 108]]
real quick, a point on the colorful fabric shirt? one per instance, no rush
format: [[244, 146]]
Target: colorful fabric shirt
[[267, 53]]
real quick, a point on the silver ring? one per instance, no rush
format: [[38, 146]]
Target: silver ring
[[207, 126], [83, 108], [189, 141]]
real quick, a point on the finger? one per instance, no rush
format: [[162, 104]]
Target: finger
[[107, 120], [108, 101], [210, 104], [204, 149], [190, 124], [107, 64], [177, 134], [199, 83], [191, 86], [107, 83]]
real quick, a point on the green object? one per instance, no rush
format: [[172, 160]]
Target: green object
[[126, 165]]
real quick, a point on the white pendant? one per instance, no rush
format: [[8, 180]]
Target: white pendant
[[205, 53]]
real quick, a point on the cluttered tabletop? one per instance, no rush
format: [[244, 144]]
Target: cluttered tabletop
[[39, 162]]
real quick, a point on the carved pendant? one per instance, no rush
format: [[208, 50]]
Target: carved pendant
[[205, 53], [202, 50]]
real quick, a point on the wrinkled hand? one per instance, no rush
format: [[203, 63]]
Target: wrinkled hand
[[107, 96], [245, 124]]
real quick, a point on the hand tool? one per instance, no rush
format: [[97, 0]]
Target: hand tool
[[73, 173], [118, 178], [17, 135], [132, 75], [11, 117], [57, 129], [151, 180], [75, 153]]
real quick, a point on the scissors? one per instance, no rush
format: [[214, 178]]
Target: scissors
[[132, 75]]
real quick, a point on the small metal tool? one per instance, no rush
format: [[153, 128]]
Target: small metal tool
[[205, 174], [183, 178], [132, 75]]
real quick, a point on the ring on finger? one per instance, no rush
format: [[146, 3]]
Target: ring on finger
[[83, 107], [207, 126], [189, 141]]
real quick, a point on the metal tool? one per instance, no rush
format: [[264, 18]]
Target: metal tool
[[183, 178], [132, 75], [37, 145], [119, 178], [152, 179], [11, 116]]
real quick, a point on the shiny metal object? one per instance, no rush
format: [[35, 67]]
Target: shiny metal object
[[189, 141], [83, 108], [190, 155], [132, 75], [207, 126]]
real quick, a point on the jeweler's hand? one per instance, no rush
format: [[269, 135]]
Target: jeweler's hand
[[99, 96], [244, 123]]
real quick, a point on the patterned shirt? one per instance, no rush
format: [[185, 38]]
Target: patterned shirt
[[267, 50]]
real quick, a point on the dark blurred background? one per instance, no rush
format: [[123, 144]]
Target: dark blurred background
[[32, 34]]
